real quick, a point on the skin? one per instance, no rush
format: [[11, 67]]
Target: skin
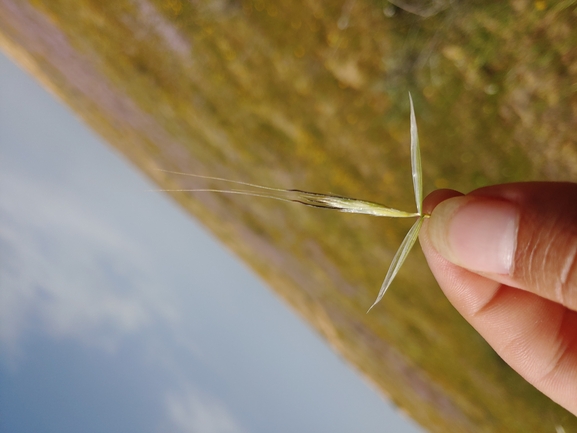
[[506, 257]]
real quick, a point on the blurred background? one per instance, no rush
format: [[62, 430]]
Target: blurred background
[[119, 313]]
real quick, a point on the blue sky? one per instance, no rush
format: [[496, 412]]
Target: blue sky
[[119, 313]]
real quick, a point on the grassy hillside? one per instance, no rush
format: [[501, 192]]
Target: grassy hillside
[[313, 95]]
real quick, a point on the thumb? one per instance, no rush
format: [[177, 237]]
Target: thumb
[[523, 235]]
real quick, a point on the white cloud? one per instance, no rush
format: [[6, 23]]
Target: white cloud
[[192, 412], [72, 270]]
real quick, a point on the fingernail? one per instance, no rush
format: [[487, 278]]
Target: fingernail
[[477, 233]]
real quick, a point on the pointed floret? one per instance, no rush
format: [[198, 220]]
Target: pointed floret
[[399, 258], [416, 160]]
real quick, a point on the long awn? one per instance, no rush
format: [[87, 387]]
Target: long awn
[[346, 204]]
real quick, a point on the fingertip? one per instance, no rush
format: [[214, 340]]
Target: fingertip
[[438, 264], [436, 197], [477, 233], [429, 204]]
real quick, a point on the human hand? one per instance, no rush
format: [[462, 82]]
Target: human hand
[[506, 257]]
